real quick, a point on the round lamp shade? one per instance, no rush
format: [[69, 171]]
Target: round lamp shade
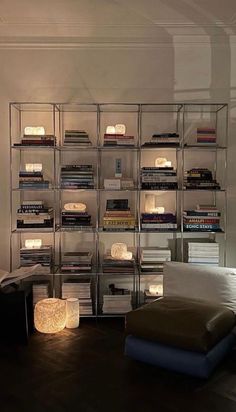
[[118, 250], [50, 315], [72, 313]]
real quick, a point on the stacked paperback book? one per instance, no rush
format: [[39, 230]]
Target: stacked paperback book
[[117, 303], [76, 137], [73, 218], [77, 177], [32, 180], [150, 297], [152, 259], [118, 216], [163, 139], [158, 221], [118, 140], [118, 266], [40, 291], [74, 262], [200, 178], [33, 214], [158, 178], [206, 135], [206, 253], [41, 255], [37, 140], [79, 289], [205, 218]]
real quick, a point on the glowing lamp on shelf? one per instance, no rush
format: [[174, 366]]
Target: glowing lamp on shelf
[[162, 162], [119, 251], [110, 130], [150, 205], [72, 313], [156, 289], [120, 129], [33, 243], [34, 130], [33, 167], [50, 315], [76, 207]]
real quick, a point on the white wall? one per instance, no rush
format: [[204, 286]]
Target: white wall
[[199, 70]]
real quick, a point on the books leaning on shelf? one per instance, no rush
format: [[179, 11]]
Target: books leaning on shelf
[[163, 139], [118, 216], [152, 259], [41, 255], [77, 177], [158, 221], [118, 140], [118, 302], [81, 290], [32, 180], [158, 178], [206, 135], [74, 262], [37, 140], [77, 138], [205, 218], [200, 178], [33, 214], [40, 290], [206, 253]]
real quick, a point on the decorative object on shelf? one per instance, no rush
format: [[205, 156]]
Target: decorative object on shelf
[[72, 313], [34, 131], [33, 243], [79, 207], [110, 130], [156, 289], [162, 162], [120, 129], [50, 315], [118, 172], [33, 167], [120, 251], [150, 204]]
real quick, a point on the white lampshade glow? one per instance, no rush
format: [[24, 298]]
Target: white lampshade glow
[[72, 313], [50, 315], [33, 167], [34, 130], [33, 243], [110, 130], [127, 255], [150, 205], [162, 162], [156, 289], [119, 251], [77, 207], [120, 129]]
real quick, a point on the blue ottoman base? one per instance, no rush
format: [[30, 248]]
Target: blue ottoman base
[[191, 363]]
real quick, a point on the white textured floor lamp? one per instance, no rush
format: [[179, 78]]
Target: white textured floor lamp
[[72, 313], [50, 315]]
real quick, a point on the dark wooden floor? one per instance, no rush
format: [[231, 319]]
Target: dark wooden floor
[[84, 370]]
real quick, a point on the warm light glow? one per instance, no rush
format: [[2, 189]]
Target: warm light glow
[[34, 130], [150, 205], [72, 313], [162, 162], [50, 315], [33, 167], [110, 130], [159, 210], [156, 289], [119, 251], [120, 129], [33, 243], [76, 207]]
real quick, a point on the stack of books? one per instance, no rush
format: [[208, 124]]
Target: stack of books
[[32, 180], [118, 140], [37, 140], [32, 256], [206, 253], [152, 259], [73, 262], [81, 290], [158, 221], [118, 183], [206, 135], [118, 216], [158, 178], [200, 178], [76, 137], [74, 218], [77, 177], [163, 139], [40, 291], [205, 218], [117, 304], [34, 215], [118, 266]]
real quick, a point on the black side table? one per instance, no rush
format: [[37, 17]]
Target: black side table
[[16, 312]]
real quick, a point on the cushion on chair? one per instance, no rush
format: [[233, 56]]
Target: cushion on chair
[[212, 284], [183, 323]]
